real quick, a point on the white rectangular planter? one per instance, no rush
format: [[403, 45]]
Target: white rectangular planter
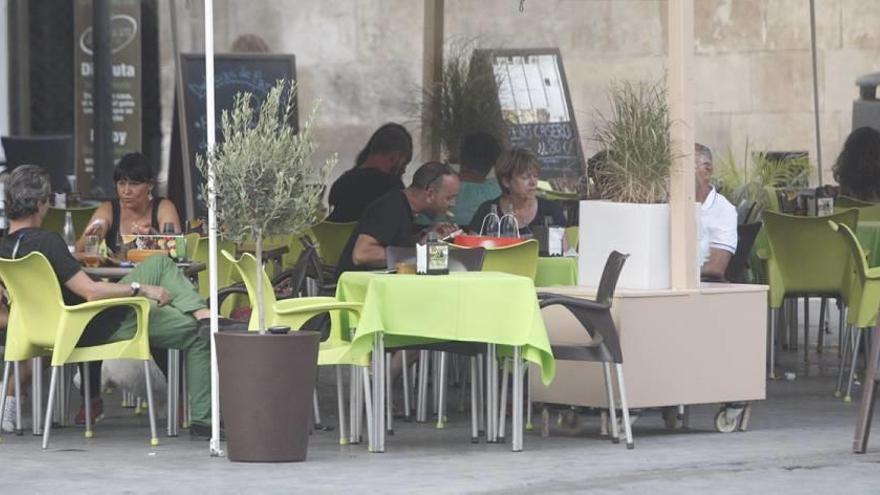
[[640, 230]]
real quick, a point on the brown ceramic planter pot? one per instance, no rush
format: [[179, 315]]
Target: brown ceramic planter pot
[[266, 385]]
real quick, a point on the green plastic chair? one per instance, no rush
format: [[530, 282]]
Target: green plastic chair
[[54, 221], [864, 302], [804, 258], [335, 351], [870, 213], [40, 324], [331, 238], [517, 259], [226, 274], [572, 237]]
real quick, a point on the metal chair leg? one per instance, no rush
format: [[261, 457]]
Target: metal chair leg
[[528, 380], [184, 389], [806, 329], [389, 396], [854, 353], [820, 339], [151, 410], [368, 405], [771, 347], [48, 426], [475, 430], [422, 400], [502, 405], [18, 426], [340, 403], [846, 346], [316, 410], [37, 395], [87, 393], [627, 428], [173, 391], [406, 390], [6, 367], [441, 389], [612, 412]]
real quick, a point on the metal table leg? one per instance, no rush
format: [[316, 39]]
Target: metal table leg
[[517, 420]]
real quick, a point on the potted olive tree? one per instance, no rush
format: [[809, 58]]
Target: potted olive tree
[[266, 184], [631, 175]]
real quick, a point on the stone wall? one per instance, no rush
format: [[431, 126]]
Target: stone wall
[[752, 72]]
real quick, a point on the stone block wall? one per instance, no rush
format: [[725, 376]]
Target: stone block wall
[[752, 73]]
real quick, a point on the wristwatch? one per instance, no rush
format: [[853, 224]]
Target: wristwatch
[[135, 288]]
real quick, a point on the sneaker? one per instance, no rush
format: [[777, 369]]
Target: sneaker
[[203, 432], [97, 412], [8, 422]]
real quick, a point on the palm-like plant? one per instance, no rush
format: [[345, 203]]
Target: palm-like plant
[[264, 180]]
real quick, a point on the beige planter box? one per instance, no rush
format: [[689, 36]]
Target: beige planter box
[[679, 347]]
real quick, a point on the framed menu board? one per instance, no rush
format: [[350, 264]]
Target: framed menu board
[[536, 106]]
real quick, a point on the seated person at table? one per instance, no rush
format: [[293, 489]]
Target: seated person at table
[[857, 169], [478, 154], [377, 170], [179, 320], [718, 235], [135, 211], [388, 221], [517, 171]]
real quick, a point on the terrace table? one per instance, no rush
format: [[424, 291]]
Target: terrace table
[[497, 309]]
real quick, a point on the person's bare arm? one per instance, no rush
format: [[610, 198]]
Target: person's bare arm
[[367, 251], [90, 290], [98, 225], [716, 265], [168, 214]]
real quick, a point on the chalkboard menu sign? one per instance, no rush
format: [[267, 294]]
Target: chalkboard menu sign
[[536, 107], [233, 74]]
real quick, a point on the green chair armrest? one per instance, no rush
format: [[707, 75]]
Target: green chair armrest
[[763, 253], [315, 308]]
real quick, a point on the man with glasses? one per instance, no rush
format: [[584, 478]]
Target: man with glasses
[[718, 235], [388, 221]]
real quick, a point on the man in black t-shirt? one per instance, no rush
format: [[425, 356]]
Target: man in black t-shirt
[[388, 221], [177, 321], [378, 169]]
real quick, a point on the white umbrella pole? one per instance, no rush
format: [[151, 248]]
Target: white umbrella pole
[[816, 88], [212, 226]]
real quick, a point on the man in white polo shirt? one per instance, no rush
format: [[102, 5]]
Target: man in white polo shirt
[[717, 220]]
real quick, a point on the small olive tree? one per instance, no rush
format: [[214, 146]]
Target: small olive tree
[[265, 183]]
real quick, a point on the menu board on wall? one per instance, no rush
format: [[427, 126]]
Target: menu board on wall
[[536, 107], [125, 49], [233, 73]]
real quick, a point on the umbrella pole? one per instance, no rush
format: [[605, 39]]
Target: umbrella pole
[[212, 226], [816, 89]]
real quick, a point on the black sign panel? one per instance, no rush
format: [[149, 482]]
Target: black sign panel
[[233, 74]]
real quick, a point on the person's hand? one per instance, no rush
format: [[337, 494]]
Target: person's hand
[[156, 293], [98, 228], [444, 229]]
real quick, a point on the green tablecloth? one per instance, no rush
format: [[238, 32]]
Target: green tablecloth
[[487, 307], [559, 270], [868, 234]]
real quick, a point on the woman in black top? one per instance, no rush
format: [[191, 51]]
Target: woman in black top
[[135, 211], [517, 171]]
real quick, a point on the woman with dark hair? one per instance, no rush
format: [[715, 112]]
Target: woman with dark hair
[[857, 169], [377, 170], [135, 211]]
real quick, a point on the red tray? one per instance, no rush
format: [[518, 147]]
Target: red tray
[[485, 241]]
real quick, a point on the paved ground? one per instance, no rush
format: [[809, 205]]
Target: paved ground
[[799, 443]]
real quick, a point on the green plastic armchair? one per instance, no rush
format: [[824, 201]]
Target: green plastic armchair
[[40, 324], [226, 274], [331, 238], [850, 202], [54, 221], [805, 258]]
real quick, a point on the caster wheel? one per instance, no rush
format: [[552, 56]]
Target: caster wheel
[[724, 423]]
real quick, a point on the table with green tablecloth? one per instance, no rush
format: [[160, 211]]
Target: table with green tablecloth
[[868, 233], [556, 271], [409, 310]]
